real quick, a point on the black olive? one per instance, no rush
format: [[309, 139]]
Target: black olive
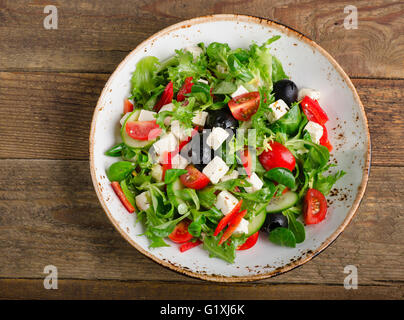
[[221, 118], [286, 90], [198, 152], [273, 221]]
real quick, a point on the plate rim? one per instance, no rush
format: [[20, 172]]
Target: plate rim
[[285, 29]]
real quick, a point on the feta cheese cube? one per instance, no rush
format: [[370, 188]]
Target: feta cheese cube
[[215, 169], [143, 201], [166, 143], [240, 90], [311, 93], [179, 131], [179, 162], [123, 119], [217, 137], [195, 50], [233, 175], [146, 115], [256, 183], [167, 107], [315, 130], [242, 227], [225, 202], [199, 118], [278, 109]]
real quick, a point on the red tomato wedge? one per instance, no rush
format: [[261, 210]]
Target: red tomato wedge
[[180, 233], [277, 157], [324, 139], [194, 179], [251, 241], [314, 207], [227, 218], [189, 245], [232, 226], [186, 88], [127, 106], [244, 106], [143, 130], [118, 190], [313, 111], [166, 97], [246, 161]]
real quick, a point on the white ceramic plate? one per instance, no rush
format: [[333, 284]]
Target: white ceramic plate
[[308, 65]]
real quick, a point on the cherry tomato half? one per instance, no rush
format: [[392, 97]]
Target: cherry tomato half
[[180, 233], [277, 157], [127, 106], [194, 179], [314, 207], [251, 241], [143, 130], [244, 106]]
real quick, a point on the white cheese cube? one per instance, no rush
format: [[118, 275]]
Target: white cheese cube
[[195, 50], [146, 115], [143, 201], [240, 90], [315, 130], [123, 119], [199, 118], [311, 93], [233, 175], [278, 109], [179, 131], [166, 143], [167, 107], [179, 162], [215, 169], [217, 137], [225, 202], [242, 227], [256, 183]]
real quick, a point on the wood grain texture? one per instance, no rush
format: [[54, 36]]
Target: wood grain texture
[[171, 290], [49, 214], [55, 111], [94, 36]]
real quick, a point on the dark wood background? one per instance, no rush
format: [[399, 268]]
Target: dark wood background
[[49, 214]]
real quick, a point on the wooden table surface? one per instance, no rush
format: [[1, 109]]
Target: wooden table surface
[[49, 213]]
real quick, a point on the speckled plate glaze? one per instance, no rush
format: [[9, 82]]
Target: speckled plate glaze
[[308, 65]]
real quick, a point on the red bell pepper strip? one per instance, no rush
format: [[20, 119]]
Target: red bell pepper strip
[[232, 226], [166, 97], [227, 218], [246, 160], [324, 139], [167, 163], [186, 88], [250, 242], [190, 245], [313, 111], [127, 106], [118, 190]]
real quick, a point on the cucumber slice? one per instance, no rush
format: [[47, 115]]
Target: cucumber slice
[[256, 223], [283, 202], [130, 142], [172, 188]]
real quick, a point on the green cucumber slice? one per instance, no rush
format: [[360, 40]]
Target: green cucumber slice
[[130, 142], [256, 223], [285, 201]]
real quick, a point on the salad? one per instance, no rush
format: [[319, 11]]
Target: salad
[[218, 146]]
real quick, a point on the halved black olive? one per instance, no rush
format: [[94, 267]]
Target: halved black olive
[[286, 90], [273, 221], [221, 118]]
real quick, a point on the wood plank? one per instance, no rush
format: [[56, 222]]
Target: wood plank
[[49, 214], [163, 290], [94, 36], [56, 111]]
